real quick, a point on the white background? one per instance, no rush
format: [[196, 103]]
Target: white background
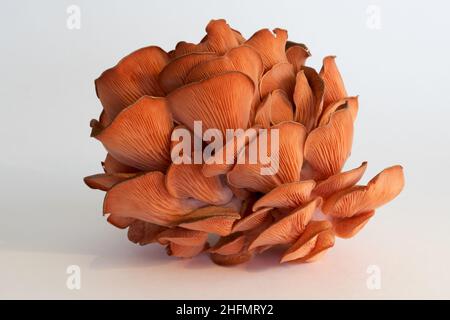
[[50, 219]]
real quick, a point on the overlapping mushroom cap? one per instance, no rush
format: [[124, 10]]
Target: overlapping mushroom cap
[[228, 82]]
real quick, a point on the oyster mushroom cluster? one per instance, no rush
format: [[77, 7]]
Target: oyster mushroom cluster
[[229, 82]]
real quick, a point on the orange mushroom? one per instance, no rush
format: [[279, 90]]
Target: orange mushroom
[[262, 88]]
